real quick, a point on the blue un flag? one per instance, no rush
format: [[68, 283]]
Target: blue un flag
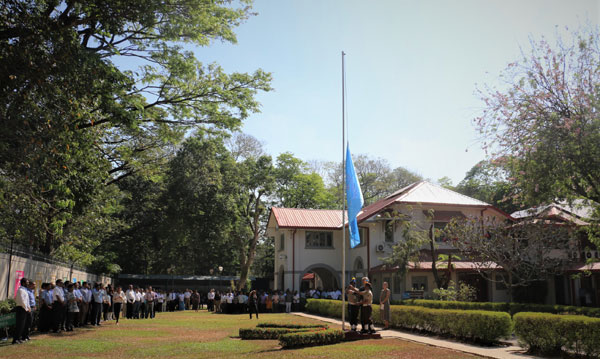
[[354, 197]]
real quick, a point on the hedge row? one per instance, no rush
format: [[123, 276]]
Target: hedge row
[[551, 333], [269, 333], [290, 326], [310, 338], [7, 306], [472, 325], [511, 308]]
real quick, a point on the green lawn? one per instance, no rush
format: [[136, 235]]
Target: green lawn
[[202, 335]]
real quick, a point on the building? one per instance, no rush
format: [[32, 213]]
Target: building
[[308, 242]]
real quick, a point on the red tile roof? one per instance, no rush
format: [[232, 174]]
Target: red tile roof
[[307, 218]]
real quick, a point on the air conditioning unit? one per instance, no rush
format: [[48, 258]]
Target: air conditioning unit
[[380, 248]]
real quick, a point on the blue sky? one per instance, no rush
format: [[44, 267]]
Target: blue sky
[[412, 71]]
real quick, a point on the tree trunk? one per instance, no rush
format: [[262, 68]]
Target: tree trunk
[[246, 259], [509, 288]]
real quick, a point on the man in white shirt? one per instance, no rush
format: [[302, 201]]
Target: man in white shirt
[[86, 299], [58, 306], [23, 310], [211, 300], [130, 295], [187, 295]]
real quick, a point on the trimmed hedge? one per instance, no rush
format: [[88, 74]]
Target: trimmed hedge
[[291, 326], [310, 338], [551, 333], [268, 333], [511, 308], [472, 325], [7, 306]]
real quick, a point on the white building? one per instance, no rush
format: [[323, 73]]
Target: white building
[[308, 243]]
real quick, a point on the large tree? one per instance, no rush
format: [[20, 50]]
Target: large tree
[[522, 253], [543, 126], [73, 121]]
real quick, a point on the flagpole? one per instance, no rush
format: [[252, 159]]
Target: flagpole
[[343, 196]]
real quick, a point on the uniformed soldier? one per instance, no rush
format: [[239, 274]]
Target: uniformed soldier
[[353, 304], [366, 309]]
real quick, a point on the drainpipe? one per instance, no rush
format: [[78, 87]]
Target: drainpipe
[[293, 260], [368, 252]]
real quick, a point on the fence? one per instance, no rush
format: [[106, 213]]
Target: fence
[[39, 269]]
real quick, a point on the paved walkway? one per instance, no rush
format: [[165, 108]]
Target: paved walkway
[[507, 352]]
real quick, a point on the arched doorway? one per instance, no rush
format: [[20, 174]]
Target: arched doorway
[[319, 276]]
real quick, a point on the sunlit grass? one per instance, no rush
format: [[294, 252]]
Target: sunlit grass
[[202, 335]]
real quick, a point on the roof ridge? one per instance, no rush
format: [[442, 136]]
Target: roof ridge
[[455, 192], [305, 209]]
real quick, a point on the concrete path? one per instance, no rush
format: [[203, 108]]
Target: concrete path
[[505, 352]]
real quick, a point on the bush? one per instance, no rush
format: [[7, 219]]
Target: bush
[[310, 338], [511, 308], [551, 333], [291, 326], [7, 306], [473, 325], [268, 333]]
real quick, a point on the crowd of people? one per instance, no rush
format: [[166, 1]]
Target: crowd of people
[[63, 306]]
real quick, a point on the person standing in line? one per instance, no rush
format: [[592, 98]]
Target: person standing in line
[[181, 297], [195, 300], [187, 295], [58, 306], [211, 300], [45, 308], [275, 300], [384, 304], [118, 299], [86, 299], [138, 303], [130, 295], [97, 300], [32, 305], [22, 311], [149, 303], [79, 297], [73, 309], [353, 304], [107, 304], [288, 301], [296, 302]]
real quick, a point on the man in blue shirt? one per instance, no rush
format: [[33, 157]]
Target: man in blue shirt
[[97, 299], [45, 308], [29, 319]]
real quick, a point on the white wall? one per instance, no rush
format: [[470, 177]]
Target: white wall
[[39, 272]]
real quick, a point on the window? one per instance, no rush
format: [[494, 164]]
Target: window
[[319, 239], [419, 283], [438, 228], [389, 231], [397, 286], [282, 242], [363, 232]]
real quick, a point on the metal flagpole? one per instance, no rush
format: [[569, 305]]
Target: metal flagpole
[[343, 197]]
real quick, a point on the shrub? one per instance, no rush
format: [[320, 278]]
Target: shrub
[[268, 333], [7, 306], [310, 338], [473, 325], [511, 308], [463, 292], [290, 326], [551, 333]]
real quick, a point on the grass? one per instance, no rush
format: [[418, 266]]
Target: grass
[[203, 335]]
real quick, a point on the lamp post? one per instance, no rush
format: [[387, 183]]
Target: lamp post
[[220, 277]]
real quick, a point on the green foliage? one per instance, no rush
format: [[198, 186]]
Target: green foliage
[[471, 325], [550, 334], [462, 293], [510, 308], [7, 306], [267, 333], [487, 181], [311, 338], [290, 326], [73, 122]]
